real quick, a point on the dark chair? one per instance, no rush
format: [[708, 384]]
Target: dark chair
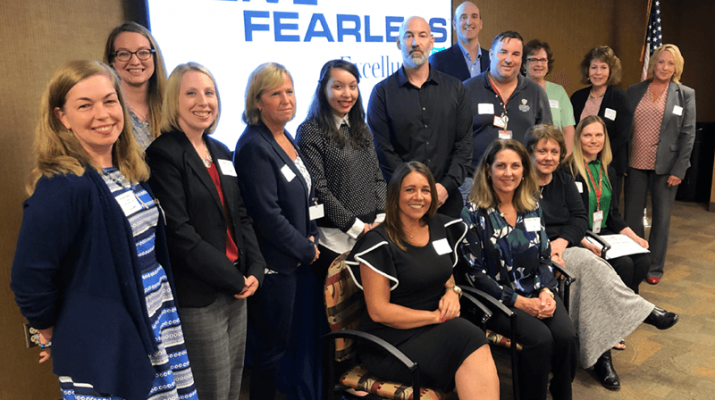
[[601, 242], [344, 303]]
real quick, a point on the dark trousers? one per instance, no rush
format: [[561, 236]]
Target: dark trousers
[[549, 345], [632, 269]]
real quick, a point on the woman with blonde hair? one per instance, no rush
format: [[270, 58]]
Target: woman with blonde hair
[[91, 270], [134, 54], [663, 137]]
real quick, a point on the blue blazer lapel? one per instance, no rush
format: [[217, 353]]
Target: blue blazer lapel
[[268, 136]]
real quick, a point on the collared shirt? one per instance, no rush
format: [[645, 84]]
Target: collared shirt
[[474, 67], [526, 107], [430, 124], [340, 120]]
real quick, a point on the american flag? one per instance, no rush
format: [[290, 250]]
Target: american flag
[[653, 37]]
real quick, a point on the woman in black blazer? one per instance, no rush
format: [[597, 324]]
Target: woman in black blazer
[[217, 262], [287, 312], [663, 137], [602, 69]]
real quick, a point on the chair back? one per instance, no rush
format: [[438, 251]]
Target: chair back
[[344, 303]]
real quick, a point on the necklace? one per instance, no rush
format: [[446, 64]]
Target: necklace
[[141, 116], [208, 160]]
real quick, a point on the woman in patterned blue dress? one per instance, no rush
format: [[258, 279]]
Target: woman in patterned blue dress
[[91, 269], [509, 257]]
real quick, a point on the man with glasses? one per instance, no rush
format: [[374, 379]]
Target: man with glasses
[[467, 58]]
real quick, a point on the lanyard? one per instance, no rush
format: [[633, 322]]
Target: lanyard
[[599, 190], [504, 116]]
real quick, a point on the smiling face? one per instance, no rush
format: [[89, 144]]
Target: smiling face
[[341, 91], [664, 67], [467, 22], [598, 73], [134, 72], [506, 171], [545, 157], [198, 103], [537, 65], [506, 59], [592, 140], [94, 114], [277, 105], [416, 42], [415, 196]]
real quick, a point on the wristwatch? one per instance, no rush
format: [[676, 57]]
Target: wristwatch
[[456, 289]]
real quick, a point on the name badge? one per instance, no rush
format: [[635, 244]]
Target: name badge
[[504, 135], [485, 108], [554, 103], [441, 246], [227, 167], [677, 110], [579, 186], [316, 212], [597, 220], [129, 203], [532, 224], [288, 173], [499, 122], [610, 114]]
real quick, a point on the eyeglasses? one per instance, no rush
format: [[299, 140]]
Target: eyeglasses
[[537, 60], [126, 55]]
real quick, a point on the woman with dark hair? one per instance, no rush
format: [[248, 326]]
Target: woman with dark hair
[[509, 258], [340, 156], [404, 268], [539, 63], [91, 269], [602, 69], [132, 51]]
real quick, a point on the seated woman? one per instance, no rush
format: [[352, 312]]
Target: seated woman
[[509, 258], [602, 308], [404, 267], [589, 164]]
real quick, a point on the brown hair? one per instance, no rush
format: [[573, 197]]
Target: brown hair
[[533, 46], [547, 132], [604, 54]]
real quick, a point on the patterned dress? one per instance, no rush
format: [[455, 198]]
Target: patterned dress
[[173, 380]]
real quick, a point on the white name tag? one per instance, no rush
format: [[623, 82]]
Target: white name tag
[[499, 122], [597, 221], [129, 203], [532, 224], [288, 173], [505, 135], [227, 167], [441, 246], [317, 211], [485, 108], [554, 103], [610, 114], [677, 110], [579, 186]]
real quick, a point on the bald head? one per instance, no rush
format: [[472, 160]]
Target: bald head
[[415, 42], [467, 22]]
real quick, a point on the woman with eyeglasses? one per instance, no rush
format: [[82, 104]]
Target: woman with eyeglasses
[[539, 63], [132, 51]]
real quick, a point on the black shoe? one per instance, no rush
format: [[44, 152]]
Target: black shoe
[[661, 319], [606, 373]]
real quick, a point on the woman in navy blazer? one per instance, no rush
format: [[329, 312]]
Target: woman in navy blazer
[[663, 137], [212, 245], [602, 69], [279, 191]]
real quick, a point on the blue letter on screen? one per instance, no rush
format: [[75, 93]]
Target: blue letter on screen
[[279, 26], [390, 28], [368, 37], [250, 27], [312, 32], [343, 31], [437, 25]]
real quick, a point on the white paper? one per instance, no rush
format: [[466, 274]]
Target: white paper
[[316, 212], [288, 173], [554, 103], [677, 110], [621, 245], [441, 246], [227, 167], [485, 108], [610, 114]]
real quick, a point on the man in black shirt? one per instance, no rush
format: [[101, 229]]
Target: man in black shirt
[[421, 114]]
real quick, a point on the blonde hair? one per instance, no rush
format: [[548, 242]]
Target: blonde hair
[[157, 82], [56, 149], [525, 195], [170, 119], [266, 76], [576, 160], [604, 54], [679, 61]]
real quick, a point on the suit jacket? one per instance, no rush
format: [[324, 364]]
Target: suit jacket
[[196, 221], [619, 128], [277, 197], [451, 62], [677, 132]]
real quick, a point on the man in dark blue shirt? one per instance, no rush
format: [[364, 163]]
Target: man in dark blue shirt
[[421, 114]]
